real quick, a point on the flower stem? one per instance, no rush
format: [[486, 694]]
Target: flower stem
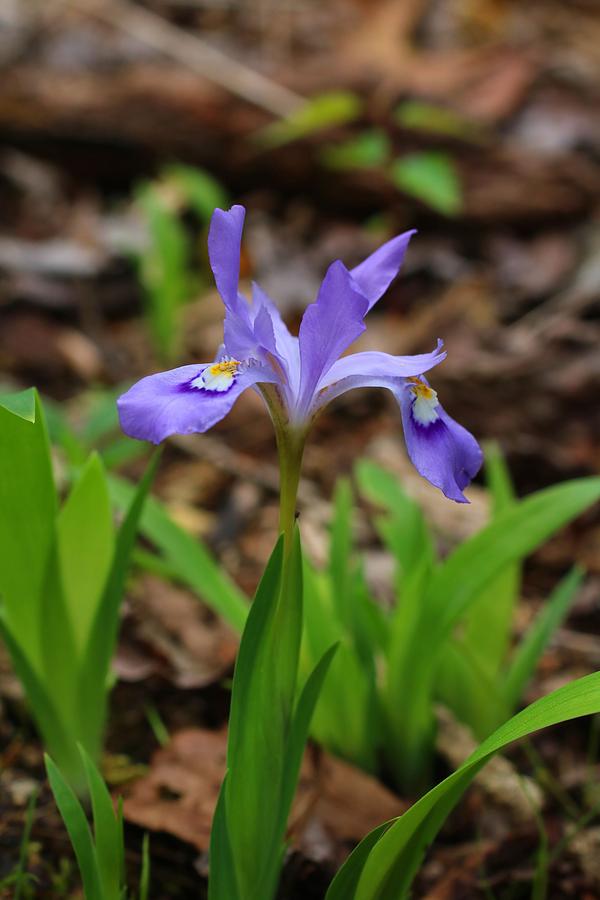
[[290, 446]]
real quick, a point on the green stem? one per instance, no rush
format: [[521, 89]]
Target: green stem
[[290, 446]]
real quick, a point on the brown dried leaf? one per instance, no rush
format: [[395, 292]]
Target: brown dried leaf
[[179, 793]]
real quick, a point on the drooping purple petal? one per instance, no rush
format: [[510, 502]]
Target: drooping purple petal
[[375, 274], [328, 327], [442, 451], [224, 243], [168, 403]]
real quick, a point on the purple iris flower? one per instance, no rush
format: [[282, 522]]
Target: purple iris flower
[[302, 374]]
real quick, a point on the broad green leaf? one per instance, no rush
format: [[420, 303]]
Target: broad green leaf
[[108, 838], [186, 557], [394, 859], [27, 511], [529, 651], [431, 177], [367, 150], [322, 111], [95, 663], [59, 657], [260, 723], [85, 546], [79, 832]]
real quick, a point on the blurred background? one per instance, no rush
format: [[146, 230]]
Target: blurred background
[[339, 124]]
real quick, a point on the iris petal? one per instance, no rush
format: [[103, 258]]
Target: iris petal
[[166, 403], [375, 274], [328, 327], [443, 452]]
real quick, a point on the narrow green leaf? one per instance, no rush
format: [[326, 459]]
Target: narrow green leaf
[[529, 651], [85, 546], [186, 556], [107, 832], [79, 832], [393, 860]]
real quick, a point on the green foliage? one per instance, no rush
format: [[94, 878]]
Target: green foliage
[[431, 177], [268, 727], [61, 583], [369, 149], [100, 854], [320, 112], [166, 269], [438, 120], [385, 863], [435, 599]]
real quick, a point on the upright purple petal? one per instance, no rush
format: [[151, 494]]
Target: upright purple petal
[[275, 337], [376, 273], [328, 327], [224, 243], [441, 450], [173, 402]]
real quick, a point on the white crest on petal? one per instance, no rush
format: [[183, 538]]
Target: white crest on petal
[[217, 377], [425, 404]]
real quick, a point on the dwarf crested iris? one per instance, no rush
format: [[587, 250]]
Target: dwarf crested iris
[[298, 376]]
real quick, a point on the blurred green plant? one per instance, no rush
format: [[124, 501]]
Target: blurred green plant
[[414, 114], [431, 177], [100, 855], [62, 575], [323, 111], [168, 273]]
